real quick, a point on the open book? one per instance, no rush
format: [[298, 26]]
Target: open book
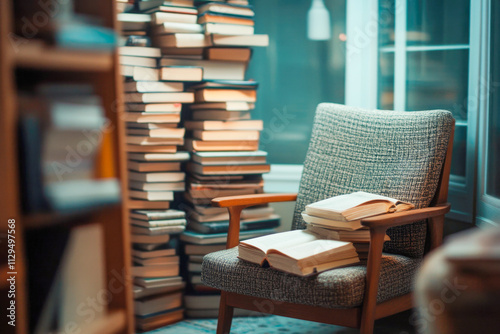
[[355, 206], [298, 252]]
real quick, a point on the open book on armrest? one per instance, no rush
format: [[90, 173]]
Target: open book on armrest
[[355, 206], [298, 252]]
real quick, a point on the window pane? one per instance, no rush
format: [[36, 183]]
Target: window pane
[[386, 57], [493, 141], [386, 81], [295, 74], [459, 154], [438, 80], [386, 22], [432, 22]]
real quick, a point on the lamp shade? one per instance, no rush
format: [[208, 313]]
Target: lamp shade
[[318, 22]]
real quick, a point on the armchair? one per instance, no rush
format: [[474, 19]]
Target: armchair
[[397, 154]]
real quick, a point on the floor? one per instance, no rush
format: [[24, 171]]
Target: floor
[[397, 324]]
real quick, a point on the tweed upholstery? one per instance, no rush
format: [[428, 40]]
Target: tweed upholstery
[[338, 288], [395, 154]]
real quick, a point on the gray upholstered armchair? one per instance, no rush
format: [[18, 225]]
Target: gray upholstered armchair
[[405, 155]]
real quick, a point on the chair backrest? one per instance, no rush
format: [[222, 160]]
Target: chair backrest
[[396, 154]]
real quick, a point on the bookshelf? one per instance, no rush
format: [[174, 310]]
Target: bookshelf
[[33, 61]]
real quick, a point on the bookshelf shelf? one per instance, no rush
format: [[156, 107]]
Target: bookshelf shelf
[[54, 66], [43, 220], [38, 57]]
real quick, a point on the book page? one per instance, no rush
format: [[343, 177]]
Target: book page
[[343, 202], [280, 240], [310, 248]]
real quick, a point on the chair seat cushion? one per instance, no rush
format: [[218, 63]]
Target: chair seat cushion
[[337, 288]]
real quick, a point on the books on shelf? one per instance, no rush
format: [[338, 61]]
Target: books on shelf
[[61, 128]]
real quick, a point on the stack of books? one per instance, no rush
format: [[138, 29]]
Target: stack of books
[[153, 103], [340, 217], [157, 283], [214, 40]]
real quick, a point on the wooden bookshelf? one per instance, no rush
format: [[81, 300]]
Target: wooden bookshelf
[[40, 57], [101, 69]]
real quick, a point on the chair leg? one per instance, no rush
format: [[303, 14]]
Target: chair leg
[[367, 324], [372, 278], [225, 316]]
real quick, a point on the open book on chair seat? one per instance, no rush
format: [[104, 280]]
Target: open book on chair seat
[[355, 206], [298, 252]]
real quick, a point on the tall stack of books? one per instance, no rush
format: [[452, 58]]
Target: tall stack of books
[[214, 39], [153, 103]]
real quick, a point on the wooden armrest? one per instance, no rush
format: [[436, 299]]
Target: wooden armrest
[[235, 204], [405, 217], [250, 200]]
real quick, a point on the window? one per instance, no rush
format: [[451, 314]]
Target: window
[[437, 54], [295, 75]]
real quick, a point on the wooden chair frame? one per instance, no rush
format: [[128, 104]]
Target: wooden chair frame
[[362, 317]]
